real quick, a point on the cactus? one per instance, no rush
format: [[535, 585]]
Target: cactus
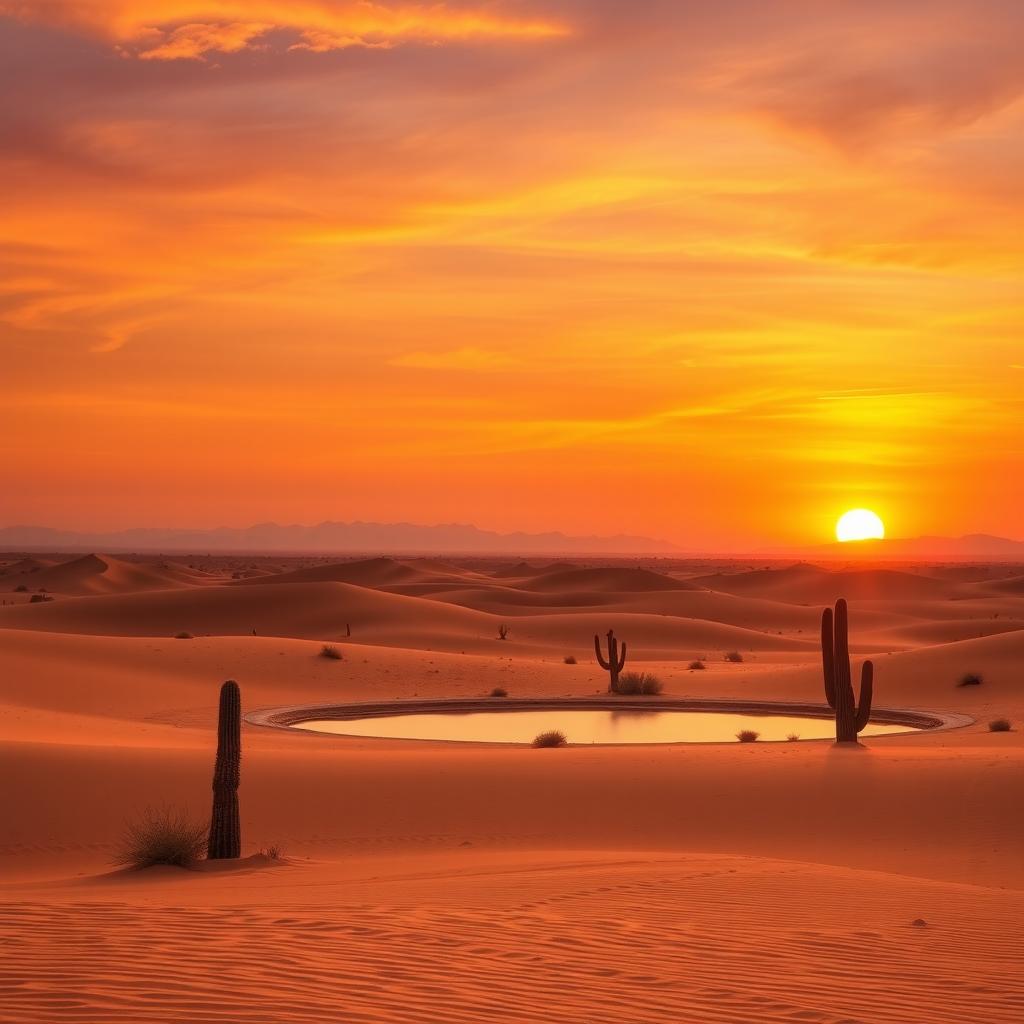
[[225, 830], [614, 664], [835, 657]]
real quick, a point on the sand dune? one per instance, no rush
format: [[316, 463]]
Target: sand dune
[[101, 574], [1014, 585], [803, 584], [311, 610], [609, 580], [373, 572], [595, 940]]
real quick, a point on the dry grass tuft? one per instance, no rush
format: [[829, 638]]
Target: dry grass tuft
[[734, 656], [748, 736], [697, 666], [330, 651], [639, 684], [551, 738], [165, 835]]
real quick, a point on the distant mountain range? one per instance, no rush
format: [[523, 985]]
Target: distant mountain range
[[327, 538], [456, 538]]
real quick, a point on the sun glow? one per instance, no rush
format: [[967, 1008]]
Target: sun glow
[[859, 524]]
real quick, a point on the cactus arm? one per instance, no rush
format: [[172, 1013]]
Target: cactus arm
[[828, 657], [600, 657], [622, 659], [867, 676]]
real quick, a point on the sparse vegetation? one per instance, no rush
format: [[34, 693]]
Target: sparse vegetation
[[697, 666], [734, 656], [499, 691], [39, 598], [21, 589], [640, 683], [615, 661], [748, 736], [330, 651], [503, 632], [162, 836], [551, 738], [272, 852], [569, 659], [971, 679], [999, 725], [183, 636], [792, 737]]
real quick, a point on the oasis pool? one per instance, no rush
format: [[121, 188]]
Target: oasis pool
[[598, 725]]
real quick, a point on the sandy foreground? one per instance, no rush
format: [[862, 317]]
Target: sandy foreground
[[465, 882]]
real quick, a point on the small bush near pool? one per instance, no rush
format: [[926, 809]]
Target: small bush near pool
[[552, 738], [639, 683]]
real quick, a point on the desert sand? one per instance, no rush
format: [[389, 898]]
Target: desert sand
[[424, 881]]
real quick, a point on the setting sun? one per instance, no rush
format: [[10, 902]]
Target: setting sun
[[859, 524]]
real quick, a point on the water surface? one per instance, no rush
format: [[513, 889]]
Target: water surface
[[590, 726]]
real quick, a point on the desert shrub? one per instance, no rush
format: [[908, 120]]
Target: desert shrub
[[330, 651], [999, 725], [37, 599], [971, 679], [569, 660], [21, 589], [697, 666], [734, 656], [747, 736], [499, 691], [162, 836], [274, 852], [183, 636], [793, 737], [639, 683], [551, 738]]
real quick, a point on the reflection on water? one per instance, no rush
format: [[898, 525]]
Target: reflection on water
[[589, 726]]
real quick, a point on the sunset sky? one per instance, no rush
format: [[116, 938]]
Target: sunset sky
[[712, 273]]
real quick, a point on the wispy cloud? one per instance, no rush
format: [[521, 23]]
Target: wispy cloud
[[190, 29]]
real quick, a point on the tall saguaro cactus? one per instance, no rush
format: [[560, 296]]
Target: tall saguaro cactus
[[225, 830], [835, 658], [615, 662]]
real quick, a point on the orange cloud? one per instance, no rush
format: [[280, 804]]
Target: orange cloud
[[189, 29], [190, 42]]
